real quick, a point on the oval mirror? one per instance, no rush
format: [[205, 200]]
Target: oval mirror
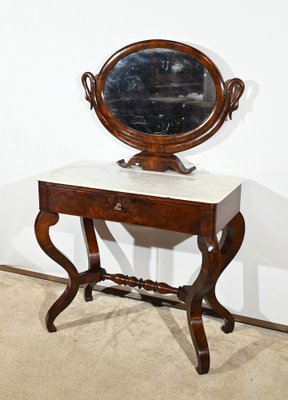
[[161, 97], [160, 92]]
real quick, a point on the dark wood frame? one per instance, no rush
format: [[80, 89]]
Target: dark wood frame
[[157, 150]]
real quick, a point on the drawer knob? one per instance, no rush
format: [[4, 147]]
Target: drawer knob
[[118, 207]]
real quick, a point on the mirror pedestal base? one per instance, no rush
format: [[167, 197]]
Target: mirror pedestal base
[[156, 162]]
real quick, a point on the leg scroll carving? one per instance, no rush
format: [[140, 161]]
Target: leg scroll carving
[[43, 223], [193, 296], [232, 240]]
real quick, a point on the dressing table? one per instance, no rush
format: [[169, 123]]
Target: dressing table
[[160, 97]]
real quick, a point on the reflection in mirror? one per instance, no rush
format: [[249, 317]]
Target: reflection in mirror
[[160, 91]]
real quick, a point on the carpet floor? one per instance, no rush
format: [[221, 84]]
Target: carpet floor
[[118, 348]]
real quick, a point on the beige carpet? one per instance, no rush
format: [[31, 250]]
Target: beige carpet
[[116, 348]]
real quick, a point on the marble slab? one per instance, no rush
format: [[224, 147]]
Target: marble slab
[[200, 186]]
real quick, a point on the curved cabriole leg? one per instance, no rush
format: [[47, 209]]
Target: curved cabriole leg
[[42, 225], [193, 296], [233, 238], [93, 255]]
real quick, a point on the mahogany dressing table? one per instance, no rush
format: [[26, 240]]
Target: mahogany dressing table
[[139, 96]]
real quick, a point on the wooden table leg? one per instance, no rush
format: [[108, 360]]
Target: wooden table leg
[[42, 225], [193, 296], [233, 238], [93, 256]]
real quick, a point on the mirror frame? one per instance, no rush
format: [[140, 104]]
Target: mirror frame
[[156, 149]]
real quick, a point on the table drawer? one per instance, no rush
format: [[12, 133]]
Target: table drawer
[[121, 207]]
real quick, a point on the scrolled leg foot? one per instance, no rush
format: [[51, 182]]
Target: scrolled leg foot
[[43, 223], [233, 238], [212, 300], [193, 296], [49, 324], [198, 337], [228, 326]]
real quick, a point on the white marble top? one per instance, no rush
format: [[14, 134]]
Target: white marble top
[[200, 186]]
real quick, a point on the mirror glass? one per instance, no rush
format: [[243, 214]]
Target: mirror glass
[[160, 91]]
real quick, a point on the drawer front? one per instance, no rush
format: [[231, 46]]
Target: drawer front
[[120, 207]]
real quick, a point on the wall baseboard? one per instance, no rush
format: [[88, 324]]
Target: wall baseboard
[[148, 298]]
